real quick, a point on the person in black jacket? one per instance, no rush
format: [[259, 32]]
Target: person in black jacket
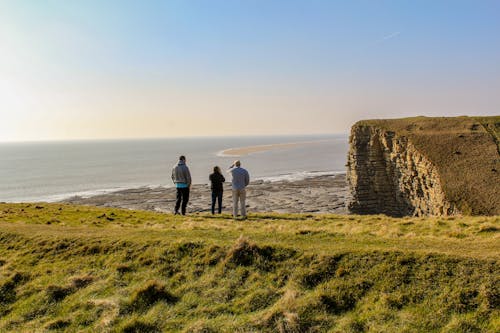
[[217, 180]]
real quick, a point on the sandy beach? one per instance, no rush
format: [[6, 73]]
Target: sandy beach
[[318, 194], [242, 151]]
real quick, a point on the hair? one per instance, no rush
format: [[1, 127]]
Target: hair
[[182, 158], [216, 169], [237, 163]]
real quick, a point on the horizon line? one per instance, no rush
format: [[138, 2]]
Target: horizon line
[[167, 137]]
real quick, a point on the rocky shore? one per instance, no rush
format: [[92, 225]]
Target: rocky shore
[[319, 194]]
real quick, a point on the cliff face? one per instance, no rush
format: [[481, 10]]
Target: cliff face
[[388, 175], [422, 168]]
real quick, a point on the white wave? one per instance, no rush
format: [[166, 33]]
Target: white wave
[[82, 194], [289, 177], [301, 175], [93, 193]]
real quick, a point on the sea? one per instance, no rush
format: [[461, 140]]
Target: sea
[[53, 171]]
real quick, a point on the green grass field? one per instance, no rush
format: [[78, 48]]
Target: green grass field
[[75, 268]]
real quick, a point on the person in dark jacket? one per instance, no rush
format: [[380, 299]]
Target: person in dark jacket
[[182, 180], [217, 180]]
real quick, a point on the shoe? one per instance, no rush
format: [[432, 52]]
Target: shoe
[[176, 213]]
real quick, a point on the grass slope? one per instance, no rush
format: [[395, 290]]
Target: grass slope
[[75, 268], [466, 152]]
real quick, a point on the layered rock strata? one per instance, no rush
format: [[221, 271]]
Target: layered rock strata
[[388, 175]]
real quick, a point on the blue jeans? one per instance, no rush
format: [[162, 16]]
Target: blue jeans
[[216, 196]]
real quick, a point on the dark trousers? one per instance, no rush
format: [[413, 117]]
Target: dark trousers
[[182, 197], [216, 196]]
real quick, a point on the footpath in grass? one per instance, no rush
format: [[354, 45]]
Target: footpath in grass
[[76, 268]]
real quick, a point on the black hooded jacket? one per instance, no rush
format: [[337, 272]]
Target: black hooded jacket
[[217, 180]]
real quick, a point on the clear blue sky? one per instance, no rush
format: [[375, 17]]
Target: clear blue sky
[[105, 69]]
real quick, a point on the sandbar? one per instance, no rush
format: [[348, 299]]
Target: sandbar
[[242, 151]]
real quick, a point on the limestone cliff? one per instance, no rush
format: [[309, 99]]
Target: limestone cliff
[[425, 166]]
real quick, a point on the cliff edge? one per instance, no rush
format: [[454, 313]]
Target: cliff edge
[[425, 166]]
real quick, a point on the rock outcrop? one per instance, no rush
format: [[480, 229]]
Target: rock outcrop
[[425, 166]]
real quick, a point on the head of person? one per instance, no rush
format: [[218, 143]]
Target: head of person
[[237, 163], [182, 158], [216, 169]]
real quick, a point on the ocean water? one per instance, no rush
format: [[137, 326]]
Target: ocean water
[[51, 171]]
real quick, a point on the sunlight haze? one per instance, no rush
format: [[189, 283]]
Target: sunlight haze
[[128, 69]]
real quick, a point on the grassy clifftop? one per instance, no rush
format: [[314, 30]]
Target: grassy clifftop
[[466, 152], [74, 268]]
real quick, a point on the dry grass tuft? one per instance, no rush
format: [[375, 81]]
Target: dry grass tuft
[[151, 293], [78, 282], [200, 326], [138, 326], [58, 324], [243, 253]]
